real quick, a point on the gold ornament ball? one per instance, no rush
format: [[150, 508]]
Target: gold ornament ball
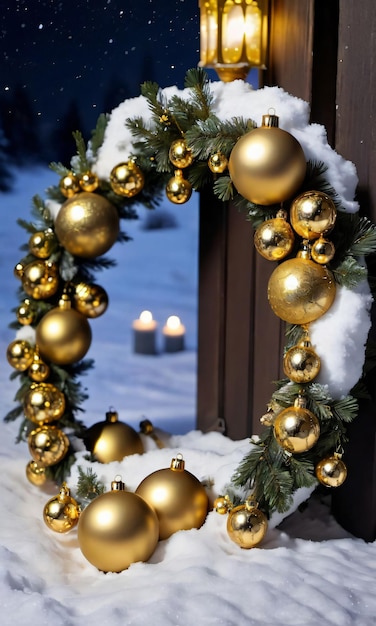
[[89, 299], [69, 185], [301, 363], [222, 505], [322, 251], [178, 189], [312, 214], [36, 473], [300, 291], [179, 154], [61, 513], [48, 445], [38, 371], [43, 403], [87, 225], [127, 179], [177, 496], [331, 471], [296, 429], [42, 243], [217, 163], [89, 181], [40, 279], [246, 525], [20, 354], [117, 529], [25, 313], [274, 239], [112, 440]]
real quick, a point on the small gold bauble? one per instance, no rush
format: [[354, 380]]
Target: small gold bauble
[[36, 473], [112, 440], [48, 445], [61, 513], [38, 371], [89, 299], [300, 291], [312, 214], [20, 354], [117, 529], [274, 238], [217, 163], [87, 225], [40, 279], [222, 505], [267, 165], [63, 335], [42, 243], [88, 181], [177, 496], [25, 313], [331, 471], [296, 429], [179, 154], [69, 185], [43, 403], [127, 179], [322, 251], [178, 189], [301, 363], [247, 525]]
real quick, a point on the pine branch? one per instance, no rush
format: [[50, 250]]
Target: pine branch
[[88, 485], [349, 273], [223, 188], [97, 136], [82, 161], [197, 81]]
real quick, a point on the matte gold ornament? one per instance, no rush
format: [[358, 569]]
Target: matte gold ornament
[[40, 278], [117, 529], [63, 335], [297, 429], [38, 371], [274, 238], [322, 251], [36, 473], [42, 243], [179, 154], [69, 185], [48, 445], [301, 291], [217, 163], [301, 363], [20, 354], [26, 313], [267, 165], [312, 214], [61, 513], [89, 299], [246, 524], [177, 496], [89, 181], [87, 225], [127, 179], [43, 403], [331, 471], [112, 440], [178, 189]]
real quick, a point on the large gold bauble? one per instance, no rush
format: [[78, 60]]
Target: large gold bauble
[[274, 239], [25, 313], [117, 529], [63, 335], [89, 181], [300, 291], [127, 179], [43, 403], [179, 154], [247, 525], [112, 440], [296, 429], [87, 225], [301, 363], [40, 279], [177, 496], [89, 299], [42, 243], [38, 371], [178, 189], [69, 185], [331, 471], [36, 473], [312, 214], [267, 165], [20, 354], [61, 513], [48, 445]]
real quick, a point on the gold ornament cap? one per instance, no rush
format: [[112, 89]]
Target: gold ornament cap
[[117, 484], [178, 463], [270, 120]]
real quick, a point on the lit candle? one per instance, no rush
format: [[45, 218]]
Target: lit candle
[[144, 334], [174, 334]]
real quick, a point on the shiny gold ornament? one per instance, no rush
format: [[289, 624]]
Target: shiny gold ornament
[[301, 363], [40, 279], [267, 165], [61, 513], [312, 214], [117, 529], [217, 163], [222, 505], [297, 429], [87, 225], [246, 524], [274, 238], [179, 154], [25, 313], [63, 335], [20, 354], [177, 496], [48, 445], [127, 179], [43, 403], [69, 185], [89, 299], [36, 473], [178, 189], [112, 440], [38, 371], [300, 291], [322, 251], [331, 471], [89, 181], [42, 243]]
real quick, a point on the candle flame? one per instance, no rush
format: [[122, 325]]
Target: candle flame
[[173, 322], [146, 317]]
